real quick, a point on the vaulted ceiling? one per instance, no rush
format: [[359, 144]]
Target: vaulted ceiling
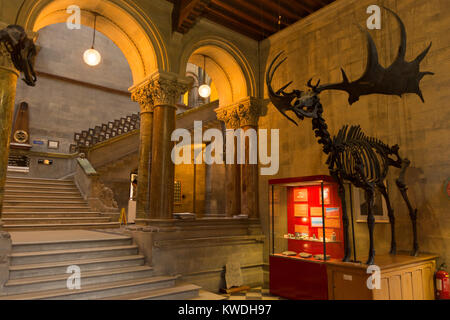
[[257, 19]]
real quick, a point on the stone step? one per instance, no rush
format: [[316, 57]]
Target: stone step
[[60, 203], [206, 295], [15, 188], [27, 179], [70, 214], [17, 258], [38, 183], [98, 291], [178, 292], [109, 241], [52, 268], [59, 281], [41, 193], [56, 208], [43, 197], [65, 220], [71, 226]]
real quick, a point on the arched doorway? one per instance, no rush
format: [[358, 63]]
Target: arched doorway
[[232, 80]]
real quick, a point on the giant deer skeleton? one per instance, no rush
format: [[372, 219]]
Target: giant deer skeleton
[[352, 156]]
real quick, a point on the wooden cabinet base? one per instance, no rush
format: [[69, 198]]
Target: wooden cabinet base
[[402, 277]]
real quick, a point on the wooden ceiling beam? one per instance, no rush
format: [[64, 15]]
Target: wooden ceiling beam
[[298, 5], [246, 29], [186, 12], [259, 11], [272, 6], [243, 14]]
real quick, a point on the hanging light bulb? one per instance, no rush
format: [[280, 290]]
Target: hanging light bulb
[[91, 56], [204, 90]]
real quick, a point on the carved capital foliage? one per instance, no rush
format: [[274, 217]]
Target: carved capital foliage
[[244, 113], [229, 116], [249, 111], [166, 91], [142, 96], [159, 89]]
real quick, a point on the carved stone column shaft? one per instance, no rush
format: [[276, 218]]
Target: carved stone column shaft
[[142, 95], [230, 117], [165, 90], [8, 82], [248, 111]]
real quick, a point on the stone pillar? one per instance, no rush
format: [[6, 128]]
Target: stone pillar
[[230, 117], [165, 91], [141, 94], [248, 111], [8, 81]]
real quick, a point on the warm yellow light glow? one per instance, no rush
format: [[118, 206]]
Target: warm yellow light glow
[[204, 91], [92, 57]]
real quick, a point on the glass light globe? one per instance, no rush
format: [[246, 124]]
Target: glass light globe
[[204, 91], [92, 57]]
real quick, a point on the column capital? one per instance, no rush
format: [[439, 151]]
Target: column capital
[[240, 114], [249, 110], [229, 116], [160, 88]]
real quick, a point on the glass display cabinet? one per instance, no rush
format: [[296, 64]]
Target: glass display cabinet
[[306, 232]]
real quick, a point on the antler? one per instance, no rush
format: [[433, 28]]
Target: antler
[[281, 100], [399, 78]]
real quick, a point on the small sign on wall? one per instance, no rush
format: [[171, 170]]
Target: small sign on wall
[[53, 144]]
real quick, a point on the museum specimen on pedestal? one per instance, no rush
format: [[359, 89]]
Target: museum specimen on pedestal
[[352, 156]]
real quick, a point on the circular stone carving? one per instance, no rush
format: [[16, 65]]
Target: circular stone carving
[[20, 136]]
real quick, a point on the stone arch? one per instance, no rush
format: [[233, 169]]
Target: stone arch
[[120, 20], [225, 64]]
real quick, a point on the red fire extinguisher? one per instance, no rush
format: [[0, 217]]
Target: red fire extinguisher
[[442, 284]]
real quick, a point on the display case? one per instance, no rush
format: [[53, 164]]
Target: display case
[[306, 232]]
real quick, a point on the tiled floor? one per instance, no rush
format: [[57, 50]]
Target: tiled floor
[[253, 294]]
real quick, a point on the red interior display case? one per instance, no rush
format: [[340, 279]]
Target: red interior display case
[[306, 225]]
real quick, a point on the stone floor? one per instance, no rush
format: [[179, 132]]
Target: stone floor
[[257, 293]]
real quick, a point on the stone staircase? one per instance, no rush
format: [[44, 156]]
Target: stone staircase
[[111, 268], [105, 131], [48, 204]]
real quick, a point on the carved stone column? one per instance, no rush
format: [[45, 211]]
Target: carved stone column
[[165, 90], [230, 117], [248, 111], [141, 94], [8, 81]]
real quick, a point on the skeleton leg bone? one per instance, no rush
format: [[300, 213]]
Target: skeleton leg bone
[[384, 192], [370, 222], [345, 221], [412, 212]]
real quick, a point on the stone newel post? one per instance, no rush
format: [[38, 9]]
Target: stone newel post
[[8, 81], [165, 90], [141, 94]]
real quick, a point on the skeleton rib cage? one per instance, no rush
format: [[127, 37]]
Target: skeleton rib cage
[[357, 152]]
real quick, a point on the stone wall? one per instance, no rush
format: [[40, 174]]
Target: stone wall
[[318, 47], [70, 96]]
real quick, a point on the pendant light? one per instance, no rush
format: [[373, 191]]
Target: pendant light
[[91, 56], [204, 90]]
